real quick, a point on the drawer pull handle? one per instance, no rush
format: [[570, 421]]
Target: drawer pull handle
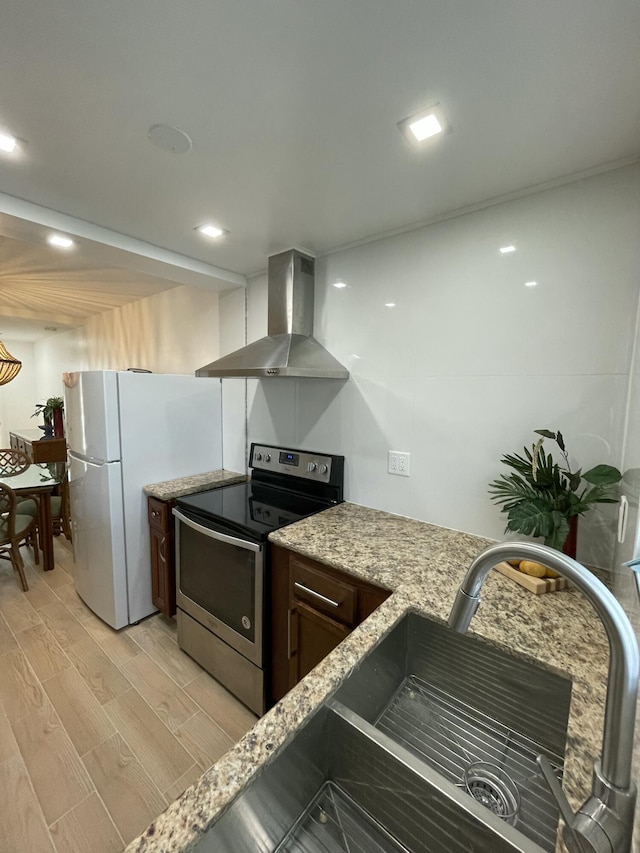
[[316, 594], [155, 513]]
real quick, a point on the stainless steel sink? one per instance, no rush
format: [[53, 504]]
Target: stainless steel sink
[[457, 702], [342, 787], [381, 765]]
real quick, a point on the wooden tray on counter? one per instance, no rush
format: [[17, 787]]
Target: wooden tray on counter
[[538, 586]]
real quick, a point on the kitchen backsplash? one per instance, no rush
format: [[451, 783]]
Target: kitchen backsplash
[[470, 361]]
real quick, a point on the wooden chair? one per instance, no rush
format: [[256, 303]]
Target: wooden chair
[[15, 529], [60, 510], [13, 462]]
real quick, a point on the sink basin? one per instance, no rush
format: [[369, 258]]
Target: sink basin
[[384, 765], [455, 702], [340, 787]]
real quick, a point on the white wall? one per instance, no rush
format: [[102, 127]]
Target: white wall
[[470, 361], [176, 331], [234, 391], [43, 362], [55, 355], [18, 398]]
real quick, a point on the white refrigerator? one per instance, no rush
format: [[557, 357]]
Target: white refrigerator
[[125, 430]]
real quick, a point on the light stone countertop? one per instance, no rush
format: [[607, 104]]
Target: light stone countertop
[[192, 484], [423, 564]]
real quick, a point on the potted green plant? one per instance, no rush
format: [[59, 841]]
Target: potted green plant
[[542, 497], [52, 411]]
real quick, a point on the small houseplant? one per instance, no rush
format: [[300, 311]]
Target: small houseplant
[[51, 411], [542, 497]]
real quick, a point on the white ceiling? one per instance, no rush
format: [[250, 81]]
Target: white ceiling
[[292, 107]]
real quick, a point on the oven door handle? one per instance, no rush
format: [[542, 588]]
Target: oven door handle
[[214, 534]]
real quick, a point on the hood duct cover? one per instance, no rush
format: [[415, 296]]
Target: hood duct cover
[[290, 348]]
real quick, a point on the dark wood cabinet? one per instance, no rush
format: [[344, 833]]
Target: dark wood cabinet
[[313, 608], [39, 450], [163, 569], [313, 636]]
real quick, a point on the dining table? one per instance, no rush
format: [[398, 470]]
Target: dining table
[[39, 481]]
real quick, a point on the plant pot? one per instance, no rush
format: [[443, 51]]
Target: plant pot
[[571, 542], [58, 424]]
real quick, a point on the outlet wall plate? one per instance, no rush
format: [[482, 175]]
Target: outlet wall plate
[[399, 463]]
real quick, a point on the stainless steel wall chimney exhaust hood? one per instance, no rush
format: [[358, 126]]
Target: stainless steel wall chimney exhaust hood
[[289, 349]]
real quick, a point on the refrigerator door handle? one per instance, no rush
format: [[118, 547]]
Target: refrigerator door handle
[[623, 516], [86, 460]]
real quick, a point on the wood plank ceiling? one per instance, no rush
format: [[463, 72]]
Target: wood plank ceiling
[[56, 287]]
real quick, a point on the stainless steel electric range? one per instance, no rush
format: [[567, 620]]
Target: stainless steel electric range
[[222, 561]]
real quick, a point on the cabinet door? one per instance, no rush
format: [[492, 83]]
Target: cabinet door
[[278, 592], [162, 591], [313, 608], [163, 572], [313, 636]]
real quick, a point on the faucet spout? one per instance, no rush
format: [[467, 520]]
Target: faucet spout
[[607, 816]]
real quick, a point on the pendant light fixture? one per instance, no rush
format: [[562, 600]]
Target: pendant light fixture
[[9, 366]]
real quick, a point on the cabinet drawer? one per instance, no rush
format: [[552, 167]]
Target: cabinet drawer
[[158, 514], [322, 592], [47, 450]]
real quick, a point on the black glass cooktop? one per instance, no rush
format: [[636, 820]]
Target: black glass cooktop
[[251, 507]]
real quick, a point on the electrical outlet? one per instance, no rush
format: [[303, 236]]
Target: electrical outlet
[[399, 463], [403, 464]]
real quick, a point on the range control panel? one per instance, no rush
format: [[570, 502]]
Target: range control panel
[[295, 463]]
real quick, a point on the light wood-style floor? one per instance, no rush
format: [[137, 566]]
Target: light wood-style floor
[[99, 730]]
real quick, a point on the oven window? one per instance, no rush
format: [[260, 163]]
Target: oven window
[[220, 578]]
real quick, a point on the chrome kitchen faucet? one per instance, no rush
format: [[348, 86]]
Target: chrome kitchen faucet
[[604, 823]]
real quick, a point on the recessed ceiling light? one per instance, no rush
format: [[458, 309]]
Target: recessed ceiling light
[[210, 230], [531, 284], [389, 304], [339, 283], [8, 143], [424, 125], [59, 241], [504, 250]]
